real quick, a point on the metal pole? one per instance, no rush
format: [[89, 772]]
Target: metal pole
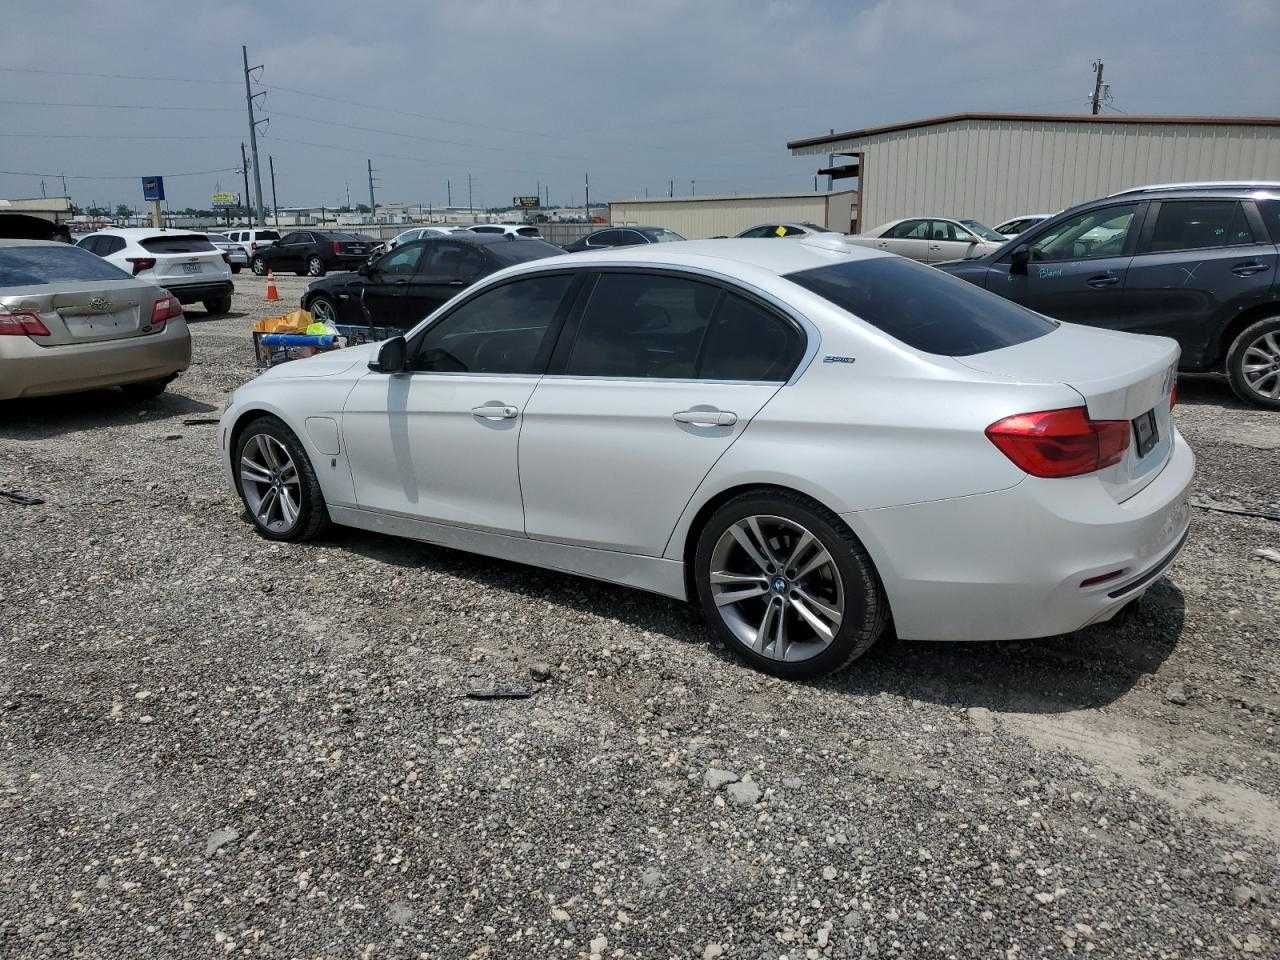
[[1096, 101], [448, 186], [275, 207], [470, 206], [586, 195], [373, 207], [244, 168], [253, 140]]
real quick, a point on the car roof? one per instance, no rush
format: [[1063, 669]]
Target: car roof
[[776, 258], [19, 242], [139, 232]]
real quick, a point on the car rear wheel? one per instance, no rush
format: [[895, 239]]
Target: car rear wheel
[[1253, 363], [218, 305], [315, 267], [323, 310], [787, 586], [259, 267], [277, 483]]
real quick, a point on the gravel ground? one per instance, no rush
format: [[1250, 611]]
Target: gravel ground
[[212, 745]]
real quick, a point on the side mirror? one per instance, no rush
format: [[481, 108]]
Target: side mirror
[[1019, 258], [391, 356]]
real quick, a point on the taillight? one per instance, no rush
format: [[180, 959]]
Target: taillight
[[253, 246], [1060, 443], [141, 263], [226, 257], [1173, 395], [337, 247], [24, 323], [165, 308]]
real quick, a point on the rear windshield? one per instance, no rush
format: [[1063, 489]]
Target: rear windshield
[[662, 236], [348, 237], [178, 243], [923, 307], [28, 266], [525, 248], [528, 231]]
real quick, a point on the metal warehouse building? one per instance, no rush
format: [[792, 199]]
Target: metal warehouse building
[[993, 166], [700, 217]]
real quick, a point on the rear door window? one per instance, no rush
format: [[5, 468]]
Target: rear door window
[[639, 325], [178, 243], [110, 245], [1197, 224], [748, 342], [910, 230], [605, 238], [31, 266], [923, 307]]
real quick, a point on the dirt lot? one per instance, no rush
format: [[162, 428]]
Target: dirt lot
[[211, 745]]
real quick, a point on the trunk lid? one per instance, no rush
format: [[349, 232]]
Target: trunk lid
[[86, 311], [1120, 376]]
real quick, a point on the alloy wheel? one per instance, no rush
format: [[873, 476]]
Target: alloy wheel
[[322, 311], [270, 482], [777, 588], [315, 267], [1260, 365]]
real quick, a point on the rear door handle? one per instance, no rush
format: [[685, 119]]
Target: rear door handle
[[495, 411], [1104, 280], [457, 283], [706, 418], [1249, 269]]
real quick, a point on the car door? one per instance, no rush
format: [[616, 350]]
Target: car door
[[1076, 267], [910, 239], [643, 395], [950, 241], [604, 238], [439, 441], [447, 267], [1199, 263], [289, 252], [386, 286]]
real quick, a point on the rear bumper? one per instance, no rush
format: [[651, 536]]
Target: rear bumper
[[195, 292], [1009, 565], [30, 370]]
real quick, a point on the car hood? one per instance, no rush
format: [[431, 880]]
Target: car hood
[[328, 364]]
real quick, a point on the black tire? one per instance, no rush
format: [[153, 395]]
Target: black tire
[[328, 309], [145, 389], [315, 267], [218, 305], [866, 610], [1261, 336], [259, 267], [313, 515]]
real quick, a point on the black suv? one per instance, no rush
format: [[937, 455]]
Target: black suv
[[1195, 262], [313, 253]]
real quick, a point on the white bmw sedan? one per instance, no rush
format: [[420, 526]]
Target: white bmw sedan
[[807, 439]]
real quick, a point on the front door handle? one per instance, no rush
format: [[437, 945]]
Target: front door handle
[[495, 411], [706, 418], [457, 283], [1249, 269], [1105, 280]]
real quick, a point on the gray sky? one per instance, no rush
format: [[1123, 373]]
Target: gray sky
[[519, 92]]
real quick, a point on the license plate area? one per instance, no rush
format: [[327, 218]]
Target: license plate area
[[1146, 433], [191, 268]]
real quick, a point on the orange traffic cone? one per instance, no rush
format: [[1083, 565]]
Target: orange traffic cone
[[272, 292]]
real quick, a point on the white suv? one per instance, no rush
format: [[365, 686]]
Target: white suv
[[512, 229], [252, 240], [186, 264]]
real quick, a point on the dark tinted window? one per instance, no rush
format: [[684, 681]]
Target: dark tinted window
[[177, 243], [910, 230], [297, 237], [519, 251], [109, 245], [747, 342], [1270, 210], [487, 230], [267, 235], [447, 260], [641, 325], [605, 238], [528, 231], [503, 330], [400, 262], [1193, 224], [24, 266], [924, 307]]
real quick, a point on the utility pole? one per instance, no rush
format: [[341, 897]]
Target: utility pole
[[1096, 101], [373, 207], [671, 187], [448, 187], [471, 210], [586, 195], [693, 188], [275, 207], [244, 168], [253, 139]]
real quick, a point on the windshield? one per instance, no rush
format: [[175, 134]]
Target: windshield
[[982, 230], [29, 266], [662, 236], [814, 227], [924, 307]]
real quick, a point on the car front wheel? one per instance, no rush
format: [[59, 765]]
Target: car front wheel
[[315, 267], [323, 310], [1253, 363], [274, 476], [259, 267], [787, 585]]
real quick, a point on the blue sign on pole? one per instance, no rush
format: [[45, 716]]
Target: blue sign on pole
[[153, 188]]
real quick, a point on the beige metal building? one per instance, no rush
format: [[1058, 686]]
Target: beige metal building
[[700, 217], [993, 166]]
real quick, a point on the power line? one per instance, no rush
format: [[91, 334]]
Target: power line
[[132, 176], [112, 76], [111, 106], [114, 136]]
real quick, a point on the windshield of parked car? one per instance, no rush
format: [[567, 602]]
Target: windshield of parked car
[[982, 230], [661, 236], [30, 266], [814, 227], [522, 249], [218, 238], [924, 307]]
